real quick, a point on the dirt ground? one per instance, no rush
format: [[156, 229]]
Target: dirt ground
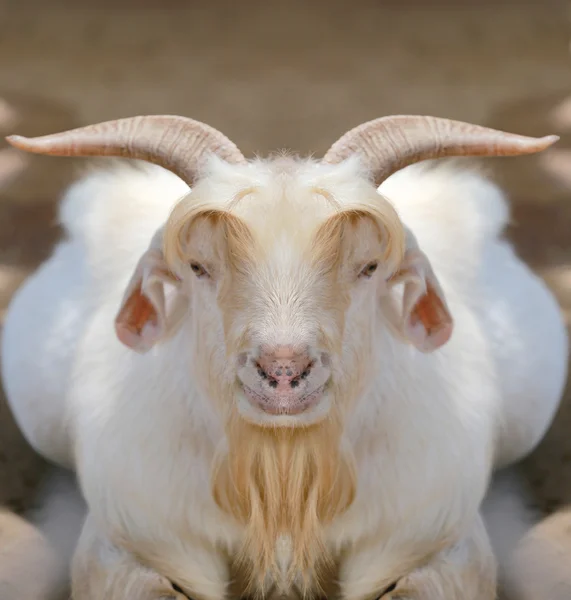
[[288, 75]]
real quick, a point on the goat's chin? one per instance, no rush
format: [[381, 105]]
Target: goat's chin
[[256, 416]]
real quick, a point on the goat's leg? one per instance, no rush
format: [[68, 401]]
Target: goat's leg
[[465, 571], [101, 571]]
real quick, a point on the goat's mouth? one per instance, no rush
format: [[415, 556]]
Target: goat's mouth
[[280, 409], [284, 404]]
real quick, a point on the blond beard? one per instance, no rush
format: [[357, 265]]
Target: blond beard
[[284, 483]]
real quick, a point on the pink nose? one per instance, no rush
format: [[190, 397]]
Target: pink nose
[[284, 368]]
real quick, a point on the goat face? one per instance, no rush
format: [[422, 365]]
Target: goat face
[[308, 312], [281, 265]]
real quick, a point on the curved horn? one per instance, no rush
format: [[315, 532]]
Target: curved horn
[[175, 143], [392, 143]]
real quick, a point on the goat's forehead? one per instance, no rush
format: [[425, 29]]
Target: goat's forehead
[[285, 200], [284, 214]]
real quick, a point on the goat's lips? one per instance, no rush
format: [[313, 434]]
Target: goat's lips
[[283, 404]]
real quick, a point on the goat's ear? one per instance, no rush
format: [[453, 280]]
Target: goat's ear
[[425, 320], [146, 316]]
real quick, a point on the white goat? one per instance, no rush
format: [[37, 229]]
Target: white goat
[[291, 416]]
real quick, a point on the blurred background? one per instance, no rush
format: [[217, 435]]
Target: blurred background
[[294, 75]]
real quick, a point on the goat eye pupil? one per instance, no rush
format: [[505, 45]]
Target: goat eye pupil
[[369, 269], [197, 269]]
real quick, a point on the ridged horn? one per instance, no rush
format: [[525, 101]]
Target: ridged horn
[[173, 142], [391, 143]]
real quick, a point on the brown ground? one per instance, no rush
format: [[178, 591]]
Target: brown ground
[[296, 75]]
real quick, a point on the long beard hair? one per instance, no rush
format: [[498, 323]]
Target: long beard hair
[[284, 483]]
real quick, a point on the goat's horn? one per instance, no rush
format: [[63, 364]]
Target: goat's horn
[[175, 143], [391, 143]]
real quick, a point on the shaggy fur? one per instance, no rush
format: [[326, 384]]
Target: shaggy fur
[[386, 482]]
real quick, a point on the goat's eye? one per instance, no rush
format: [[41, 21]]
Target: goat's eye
[[198, 270], [368, 270]]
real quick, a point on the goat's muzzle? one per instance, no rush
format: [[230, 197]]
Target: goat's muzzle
[[284, 381]]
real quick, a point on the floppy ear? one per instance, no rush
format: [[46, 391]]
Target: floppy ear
[[425, 320], [148, 312]]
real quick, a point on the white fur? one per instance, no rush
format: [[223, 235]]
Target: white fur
[[426, 433]]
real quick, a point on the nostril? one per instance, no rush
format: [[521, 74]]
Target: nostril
[[305, 373], [261, 371], [307, 370]]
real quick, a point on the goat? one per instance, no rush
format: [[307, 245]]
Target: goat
[[284, 376]]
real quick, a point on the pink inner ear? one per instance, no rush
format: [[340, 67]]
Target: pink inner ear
[[431, 312], [136, 314]]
